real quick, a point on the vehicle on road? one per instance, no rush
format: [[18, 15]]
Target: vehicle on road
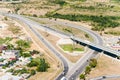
[[63, 78]]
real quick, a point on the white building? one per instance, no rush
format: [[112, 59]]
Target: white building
[[10, 54], [10, 77]]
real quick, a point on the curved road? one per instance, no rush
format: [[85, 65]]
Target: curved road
[[51, 47], [95, 36], [79, 67], [82, 62]]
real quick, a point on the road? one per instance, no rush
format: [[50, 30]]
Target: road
[[72, 73], [103, 48], [95, 36], [106, 77], [51, 47], [79, 67]]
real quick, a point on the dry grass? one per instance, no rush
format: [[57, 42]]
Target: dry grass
[[53, 25], [41, 7], [113, 31], [53, 39], [51, 59], [54, 70], [106, 66]]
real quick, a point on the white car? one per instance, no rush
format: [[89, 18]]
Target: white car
[[63, 78]]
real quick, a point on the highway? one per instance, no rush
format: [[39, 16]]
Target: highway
[[80, 65], [72, 73], [95, 36], [102, 48], [49, 46]]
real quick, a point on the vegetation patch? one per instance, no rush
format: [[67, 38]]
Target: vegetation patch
[[116, 33], [5, 40], [92, 64], [14, 29], [60, 2], [71, 48], [40, 64], [99, 22]]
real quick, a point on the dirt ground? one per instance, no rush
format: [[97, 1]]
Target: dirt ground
[[50, 58], [106, 66], [53, 39]]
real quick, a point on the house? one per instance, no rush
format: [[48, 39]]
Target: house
[[25, 76], [10, 54], [116, 47], [2, 48], [10, 77]]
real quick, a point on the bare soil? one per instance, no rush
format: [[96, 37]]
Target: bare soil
[[106, 66], [53, 39]]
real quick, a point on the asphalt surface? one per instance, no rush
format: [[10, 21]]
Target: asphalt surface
[[95, 36], [107, 77], [82, 63], [105, 49], [79, 67], [51, 47]]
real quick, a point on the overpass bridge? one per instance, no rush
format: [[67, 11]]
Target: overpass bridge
[[97, 47]]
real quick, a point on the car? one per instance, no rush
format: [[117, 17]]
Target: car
[[63, 78]]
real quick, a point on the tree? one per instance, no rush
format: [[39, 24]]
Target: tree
[[23, 44], [32, 64], [24, 70], [34, 52], [82, 76], [86, 35], [17, 9], [26, 54], [10, 46], [33, 72], [34, 15], [93, 63], [87, 70], [5, 18], [43, 66]]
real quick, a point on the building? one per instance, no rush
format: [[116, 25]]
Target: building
[[12, 1], [2, 48], [10, 54], [116, 47], [10, 77]]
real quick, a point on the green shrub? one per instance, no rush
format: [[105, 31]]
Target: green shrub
[[82, 76], [93, 63], [87, 70], [43, 66], [99, 22], [33, 72]]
